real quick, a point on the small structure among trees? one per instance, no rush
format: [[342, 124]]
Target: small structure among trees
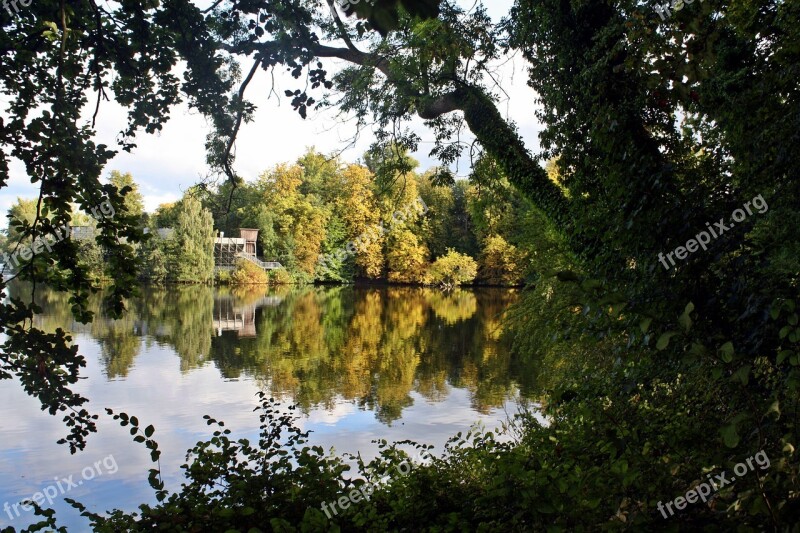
[[229, 250]]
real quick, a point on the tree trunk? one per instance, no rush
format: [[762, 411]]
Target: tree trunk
[[503, 143]]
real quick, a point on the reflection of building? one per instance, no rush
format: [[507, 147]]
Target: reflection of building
[[233, 315], [228, 250]]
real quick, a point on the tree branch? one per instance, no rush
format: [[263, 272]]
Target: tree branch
[[447, 103], [341, 27]]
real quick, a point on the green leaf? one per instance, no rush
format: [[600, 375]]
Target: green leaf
[[663, 340], [726, 352], [148, 431], [775, 408], [593, 503], [742, 375], [697, 349], [644, 325], [685, 320], [729, 436]]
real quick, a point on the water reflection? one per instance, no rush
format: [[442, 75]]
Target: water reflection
[[317, 345], [363, 364]]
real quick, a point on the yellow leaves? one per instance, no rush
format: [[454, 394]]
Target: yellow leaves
[[453, 268], [501, 263], [453, 307], [282, 181], [357, 205], [407, 258]]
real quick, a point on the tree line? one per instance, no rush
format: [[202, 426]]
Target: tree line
[[308, 213]]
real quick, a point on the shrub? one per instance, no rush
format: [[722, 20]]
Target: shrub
[[224, 277], [281, 276], [502, 263], [247, 273], [453, 268]]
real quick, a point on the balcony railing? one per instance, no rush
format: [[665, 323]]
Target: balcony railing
[[266, 265]]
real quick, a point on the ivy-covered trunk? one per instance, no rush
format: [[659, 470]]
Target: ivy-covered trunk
[[503, 143]]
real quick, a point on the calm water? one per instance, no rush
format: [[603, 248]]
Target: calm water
[[362, 363]]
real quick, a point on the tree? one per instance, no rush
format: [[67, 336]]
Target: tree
[[406, 257], [453, 268], [448, 223], [91, 258], [154, 254], [193, 261], [358, 208], [384, 15], [134, 202], [20, 215], [501, 263], [389, 163], [166, 215], [294, 222], [319, 174]]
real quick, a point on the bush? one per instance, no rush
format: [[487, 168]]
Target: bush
[[281, 276], [224, 277], [247, 273], [453, 268], [502, 263]]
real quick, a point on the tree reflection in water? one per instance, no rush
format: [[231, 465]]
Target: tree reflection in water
[[318, 345]]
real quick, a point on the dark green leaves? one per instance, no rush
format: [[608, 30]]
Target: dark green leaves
[[384, 15]]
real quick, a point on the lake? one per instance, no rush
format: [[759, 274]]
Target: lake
[[362, 363]]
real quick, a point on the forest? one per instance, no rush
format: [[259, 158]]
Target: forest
[[654, 129], [452, 234]]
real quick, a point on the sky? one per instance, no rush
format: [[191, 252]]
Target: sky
[[166, 164]]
